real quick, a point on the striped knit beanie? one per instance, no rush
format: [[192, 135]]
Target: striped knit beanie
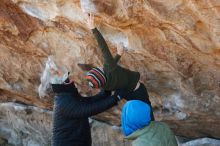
[[96, 77]]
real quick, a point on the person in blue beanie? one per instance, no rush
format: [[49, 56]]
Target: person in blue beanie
[[138, 126]]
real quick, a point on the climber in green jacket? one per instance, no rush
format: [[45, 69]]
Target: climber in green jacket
[[138, 127], [112, 76]]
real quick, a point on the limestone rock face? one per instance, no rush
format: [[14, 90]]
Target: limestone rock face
[[25, 125], [202, 142], [174, 44]]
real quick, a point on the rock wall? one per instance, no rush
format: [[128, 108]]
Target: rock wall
[[174, 44], [25, 125]]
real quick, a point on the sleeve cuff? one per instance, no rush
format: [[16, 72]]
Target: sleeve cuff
[[94, 29]]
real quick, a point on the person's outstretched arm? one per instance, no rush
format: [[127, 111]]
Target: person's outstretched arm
[[107, 56], [102, 94], [108, 59], [82, 109], [70, 104]]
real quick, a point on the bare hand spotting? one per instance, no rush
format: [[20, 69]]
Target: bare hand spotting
[[90, 21]]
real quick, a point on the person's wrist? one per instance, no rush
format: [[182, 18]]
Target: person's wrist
[[120, 52], [118, 97]]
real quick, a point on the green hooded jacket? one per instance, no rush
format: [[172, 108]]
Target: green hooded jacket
[[117, 76], [155, 134]]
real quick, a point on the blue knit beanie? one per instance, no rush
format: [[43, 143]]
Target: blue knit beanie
[[135, 115]]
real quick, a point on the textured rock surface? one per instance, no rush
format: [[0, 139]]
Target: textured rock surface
[[4, 142], [202, 142], [25, 125], [174, 44]]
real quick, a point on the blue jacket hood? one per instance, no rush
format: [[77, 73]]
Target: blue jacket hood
[[135, 115]]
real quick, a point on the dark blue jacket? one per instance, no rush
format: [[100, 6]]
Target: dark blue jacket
[[71, 112], [141, 94]]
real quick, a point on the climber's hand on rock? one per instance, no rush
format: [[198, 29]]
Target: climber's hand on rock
[[120, 49], [90, 21]]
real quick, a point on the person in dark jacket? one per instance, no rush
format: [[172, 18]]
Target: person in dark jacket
[[71, 110], [112, 76]]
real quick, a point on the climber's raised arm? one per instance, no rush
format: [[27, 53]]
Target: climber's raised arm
[[107, 56]]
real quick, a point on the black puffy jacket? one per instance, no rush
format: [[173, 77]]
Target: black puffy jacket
[[71, 112]]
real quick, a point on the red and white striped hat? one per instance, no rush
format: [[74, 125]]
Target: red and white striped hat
[[96, 77]]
